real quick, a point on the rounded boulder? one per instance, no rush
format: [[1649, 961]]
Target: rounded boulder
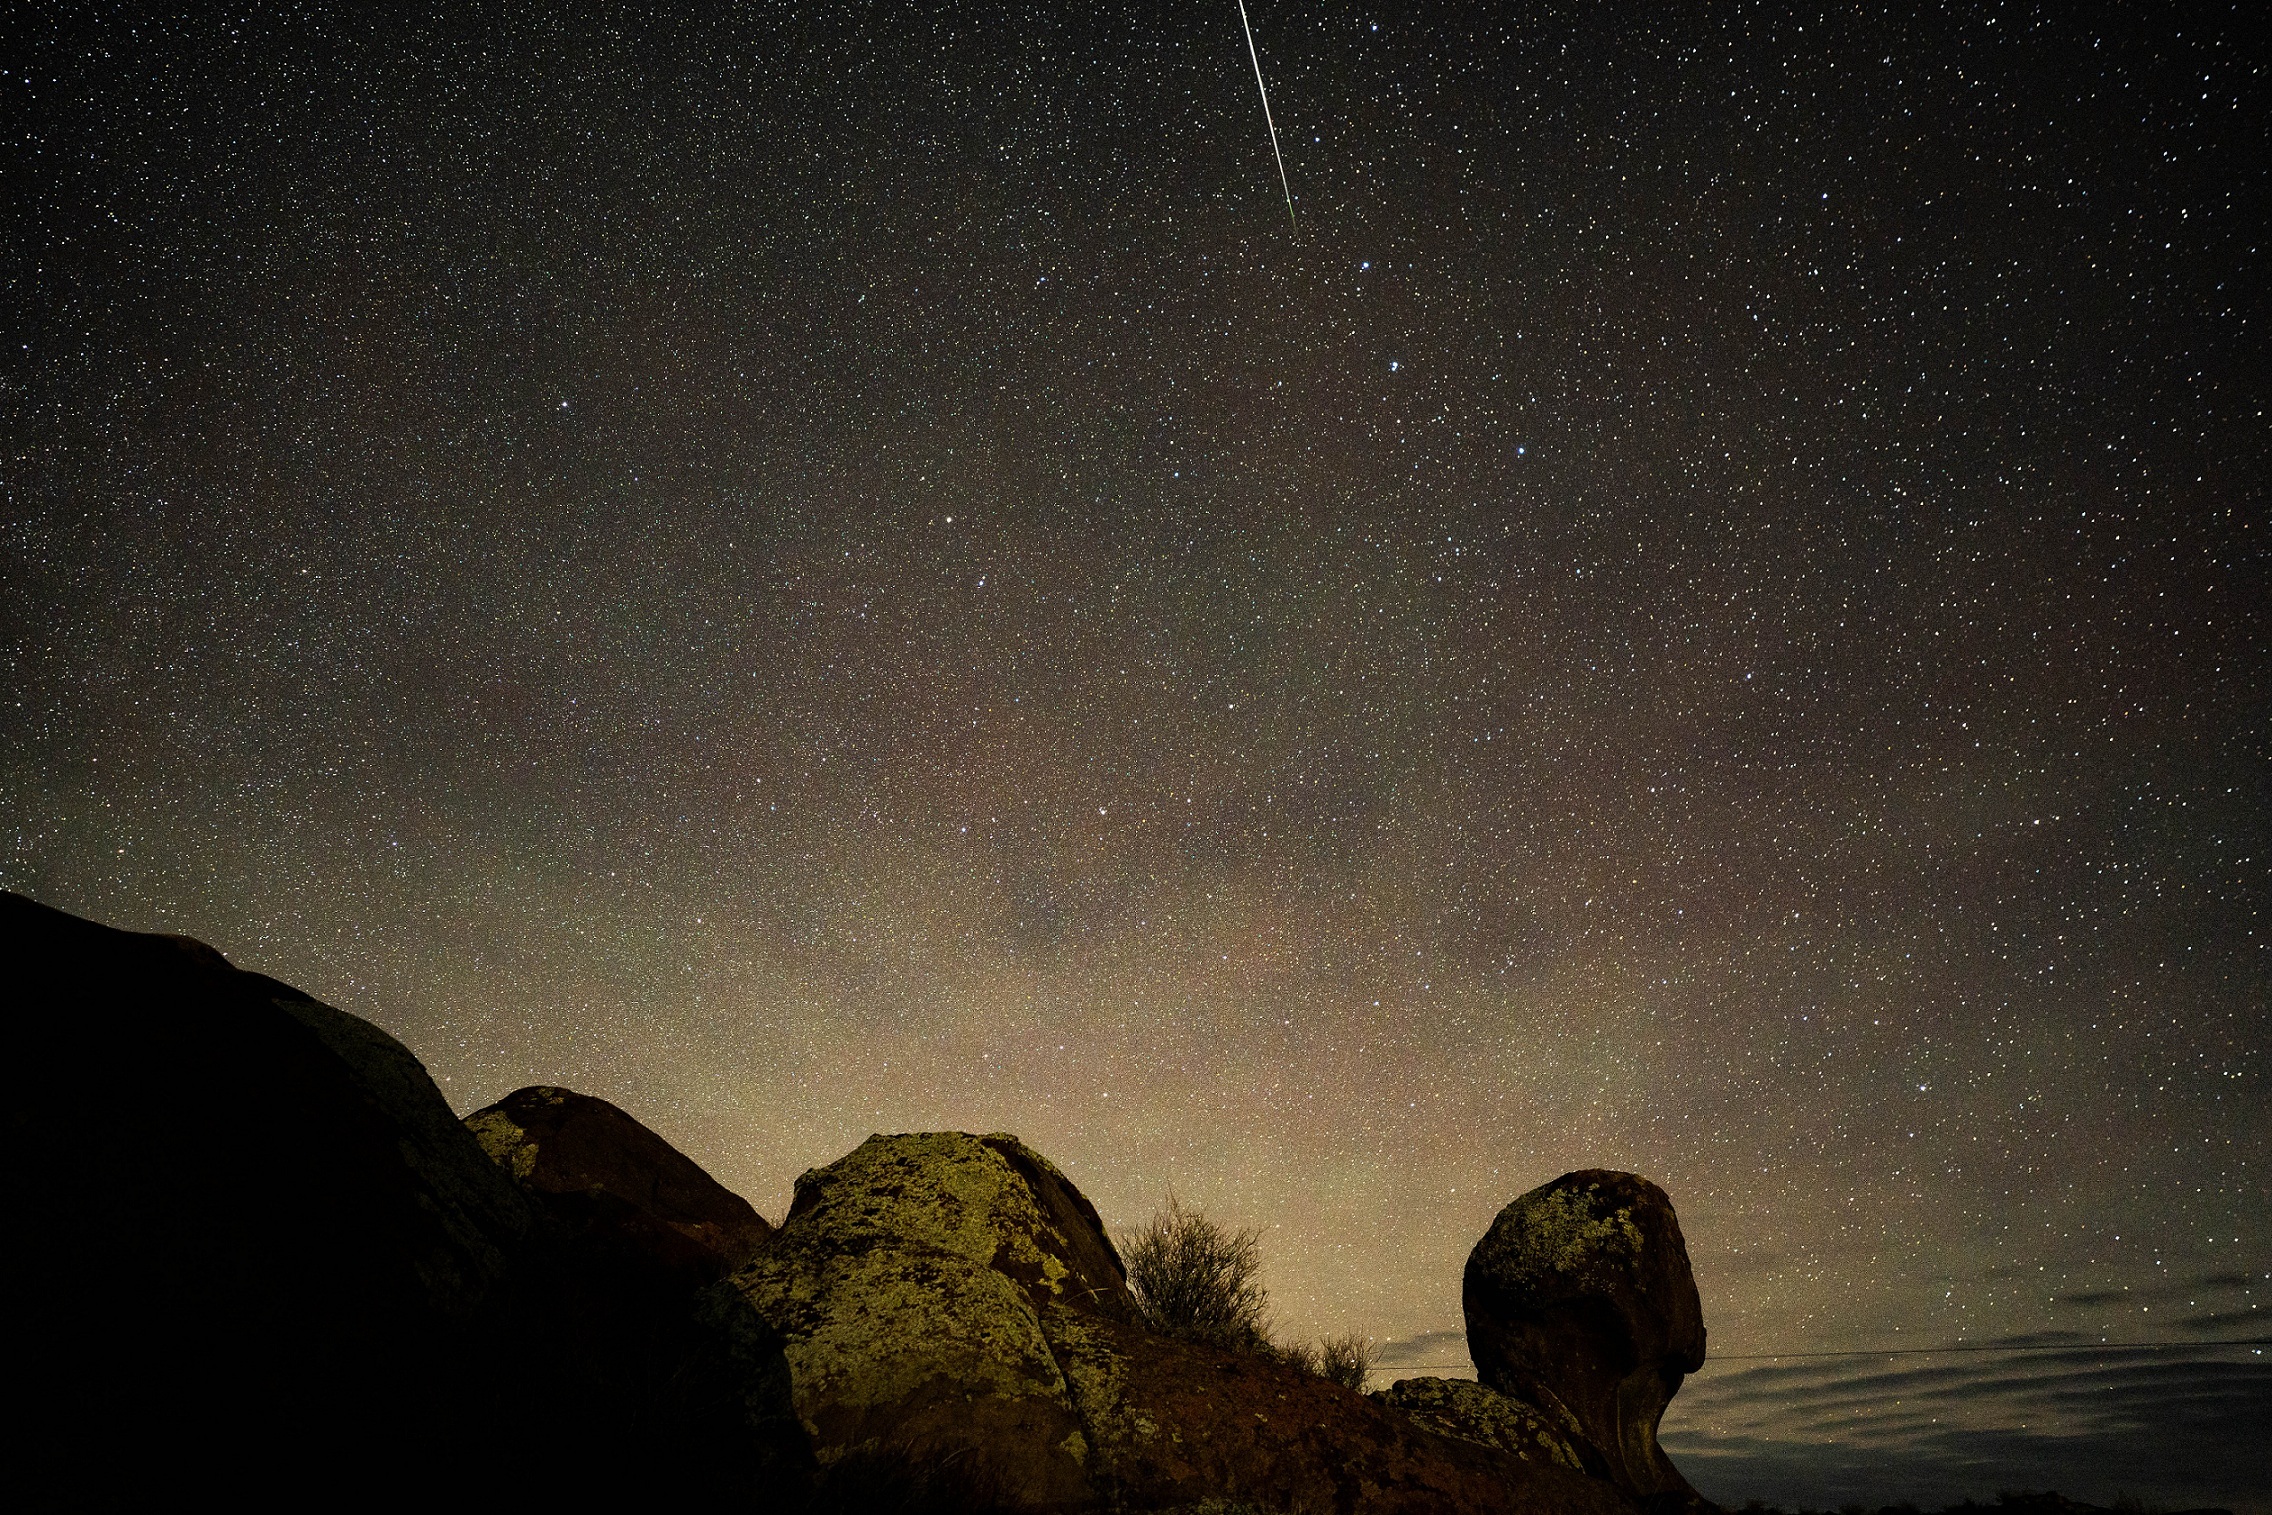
[[608, 1175], [910, 1282], [1580, 1301]]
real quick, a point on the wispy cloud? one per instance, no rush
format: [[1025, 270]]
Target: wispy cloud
[[2183, 1425], [2176, 1426], [2232, 1293], [1440, 1354]]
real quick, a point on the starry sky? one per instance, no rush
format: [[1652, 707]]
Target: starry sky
[[816, 570]]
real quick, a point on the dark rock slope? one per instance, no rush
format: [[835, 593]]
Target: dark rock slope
[[1175, 1425], [254, 1254], [1580, 1302], [605, 1174]]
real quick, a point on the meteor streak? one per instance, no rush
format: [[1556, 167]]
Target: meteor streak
[[1266, 121]]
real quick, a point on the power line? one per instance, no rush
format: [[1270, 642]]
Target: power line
[[2099, 1348]]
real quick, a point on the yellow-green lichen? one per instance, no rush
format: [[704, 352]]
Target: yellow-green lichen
[[1473, 1412], [938, 1189], [507, 1145], [875, 1328], [908, 1285], [1096, 1376], [1557, 1236]]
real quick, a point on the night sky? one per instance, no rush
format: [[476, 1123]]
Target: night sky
[[821, 570]]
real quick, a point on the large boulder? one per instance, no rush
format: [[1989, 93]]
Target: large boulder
[[608, 1176], [641, 1237], [1579, 1301], [256, 1252], [909, 1280]]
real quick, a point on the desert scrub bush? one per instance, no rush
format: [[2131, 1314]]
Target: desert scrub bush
[[1298, 1355], [1193, 1277], [1345, 1360]]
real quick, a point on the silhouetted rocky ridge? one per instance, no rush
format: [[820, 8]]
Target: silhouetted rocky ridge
[[257, 1257], [257, 1249], [611, 1179]]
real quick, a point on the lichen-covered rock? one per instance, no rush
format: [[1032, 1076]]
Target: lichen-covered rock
[[1470, 1411], [916, 1346], [991, 1199], [609, 1176], [1580, 1301], [952, 1303], [909, 1281], [1095, 1280], [1181, 1425]]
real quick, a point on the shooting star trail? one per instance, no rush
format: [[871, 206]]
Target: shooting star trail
[[1266, 121]]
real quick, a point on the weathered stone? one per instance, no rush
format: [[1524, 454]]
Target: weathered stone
[[953, 1302], [607, 1175], [1470, 1411], [991, 1199], [1095, 1280], [908, 1281], [1176, 1424], [1580, 1301]]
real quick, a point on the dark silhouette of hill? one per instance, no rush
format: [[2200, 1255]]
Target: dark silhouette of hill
[[255, 1252]]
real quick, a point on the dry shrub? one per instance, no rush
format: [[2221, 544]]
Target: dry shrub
[[1298, 1355], [1345, 1360], [1195, 1278]]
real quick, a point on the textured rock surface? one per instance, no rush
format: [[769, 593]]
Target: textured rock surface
[[1471, 1411], [1175, 1424], [909, 1281], [953, 1299], [1580, 1301], [607, 1174], [989, 1199], [269, 1259]]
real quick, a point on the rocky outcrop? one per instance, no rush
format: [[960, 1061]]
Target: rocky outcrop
[[1580, 1302], [1181, 1425], [909, 1281], [608, 1176], [259, 1253], [256, 1252], [1470, 1411], [953, 1301]]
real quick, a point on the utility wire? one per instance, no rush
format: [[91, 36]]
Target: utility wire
[[2077, 1346]]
